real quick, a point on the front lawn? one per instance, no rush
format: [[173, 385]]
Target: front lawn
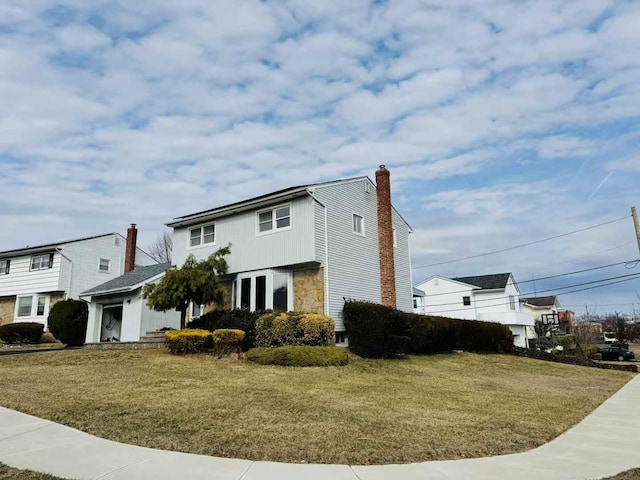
[[367, 412], [8, 473]]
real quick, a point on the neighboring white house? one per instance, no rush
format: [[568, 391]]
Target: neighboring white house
[[490, 298], [33, 279], [117, 311], [539, 306], [307, 248]]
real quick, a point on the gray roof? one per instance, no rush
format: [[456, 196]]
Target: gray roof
[[129, 280], [49, 246], [486, 282], [541, 301], [418, 293]]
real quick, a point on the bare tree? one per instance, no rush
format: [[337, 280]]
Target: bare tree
[[161, 249], [586, 338]]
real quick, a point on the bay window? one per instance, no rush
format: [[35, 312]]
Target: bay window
[[32, 306], [263, 290]]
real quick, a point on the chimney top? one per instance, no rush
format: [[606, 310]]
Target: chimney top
[[133, 225]]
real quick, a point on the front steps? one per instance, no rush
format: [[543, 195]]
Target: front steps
[[149, 340]]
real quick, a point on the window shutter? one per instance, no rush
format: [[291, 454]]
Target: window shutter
[[6, 267], [51, 260]]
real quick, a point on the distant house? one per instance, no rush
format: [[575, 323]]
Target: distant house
[[307, 248], [33, 279], [548, 310], [117, 311], [491, 298], [418, 300]]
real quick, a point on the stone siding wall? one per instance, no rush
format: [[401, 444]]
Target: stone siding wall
[[7, 309], [308, 290]]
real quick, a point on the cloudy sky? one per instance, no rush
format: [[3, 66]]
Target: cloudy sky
[[501, 122]]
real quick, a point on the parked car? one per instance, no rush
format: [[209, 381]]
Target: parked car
[[616, 353], [610, 337]]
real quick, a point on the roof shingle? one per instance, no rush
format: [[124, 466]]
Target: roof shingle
[[128, 280], [486, 282]]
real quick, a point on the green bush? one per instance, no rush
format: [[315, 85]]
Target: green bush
[[188, 341], [375, 331], [21, 332], [299, 356], [230, 319], [378, 331], [295, 328], [227, 340], [68, 322]]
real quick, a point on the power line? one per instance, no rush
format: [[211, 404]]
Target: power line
[[634, 263], [523, 244], [564, 293], [592, 254], [626, 277]]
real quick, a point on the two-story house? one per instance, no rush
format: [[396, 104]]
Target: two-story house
[[307, 248], [33, 279], [491, 298]]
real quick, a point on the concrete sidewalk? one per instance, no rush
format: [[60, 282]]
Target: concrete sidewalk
[[603, 444]]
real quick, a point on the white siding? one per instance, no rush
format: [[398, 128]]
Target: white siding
[[445, 298], [22, 281], [354, 265], [250, 251], [152, 320], [402, 261]]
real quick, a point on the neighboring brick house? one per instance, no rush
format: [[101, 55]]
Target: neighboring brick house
[[33, 279], [489, 298], [307, 248]]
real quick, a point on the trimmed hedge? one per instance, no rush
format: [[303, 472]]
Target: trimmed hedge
[[230, 319], [375, 331], [188, 341], [299, 356], [226, 341], [378, 331], [68, 322], [21, 332], [294, 328], [572, 360]]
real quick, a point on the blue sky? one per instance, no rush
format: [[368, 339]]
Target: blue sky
[[501, 122]]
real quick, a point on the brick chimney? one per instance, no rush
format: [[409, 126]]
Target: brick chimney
[[385, 238], [130, 252]]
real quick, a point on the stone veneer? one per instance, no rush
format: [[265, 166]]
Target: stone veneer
[[308, 290], [7, 309]]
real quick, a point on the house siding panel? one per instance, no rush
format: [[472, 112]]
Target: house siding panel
[[402, 260], [250, 251], [21, 280], [354, 268]]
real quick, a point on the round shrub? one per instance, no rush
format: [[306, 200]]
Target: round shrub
[[299, 356], [227, 340], [239, 319], [188, 341], [21, 332], [295, 328], [68, 322]]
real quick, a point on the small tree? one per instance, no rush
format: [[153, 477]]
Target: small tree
[[197, 282], [68, 322], [161, 249], [586, 338]]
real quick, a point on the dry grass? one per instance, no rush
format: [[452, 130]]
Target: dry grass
[[368, 412], [8, 473], [628, 475]]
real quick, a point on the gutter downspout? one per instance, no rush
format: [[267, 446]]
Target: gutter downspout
[[59, 250], [326, 254]]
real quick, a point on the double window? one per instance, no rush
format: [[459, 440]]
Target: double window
[[202, 235], [263, 290], [4, 267], [277, 218], [42, 262], [32, 306]]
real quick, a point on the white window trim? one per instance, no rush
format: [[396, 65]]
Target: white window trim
[[3, 266], [33, 315], [274, 228], [108, 270], [202, 244], [48, 255], [237, 289], [353, 226]]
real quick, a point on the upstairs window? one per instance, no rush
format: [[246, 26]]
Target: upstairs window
[[105, 265], [466, 301], [512, 302], [202, 235], [358, 224], [42, 262], [4, 267], [278, 218]]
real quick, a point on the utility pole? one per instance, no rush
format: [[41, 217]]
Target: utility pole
[[636, 224]]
